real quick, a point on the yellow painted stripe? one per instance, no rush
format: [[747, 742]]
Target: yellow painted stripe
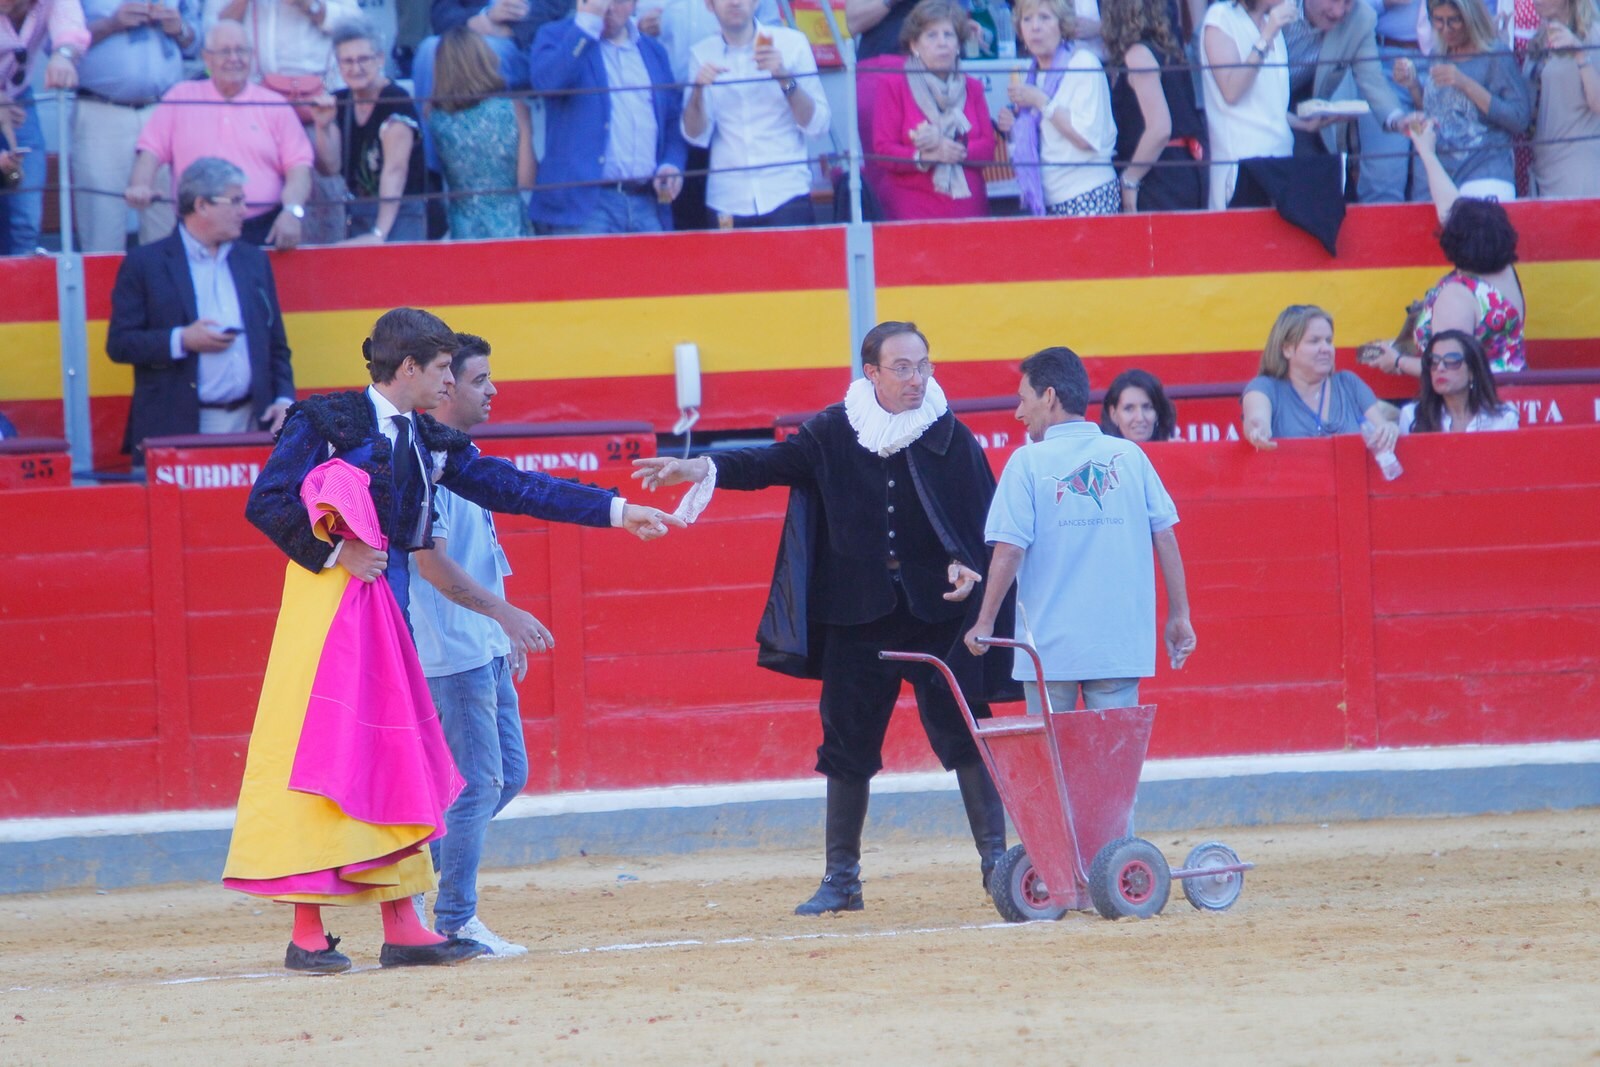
[[532, 342], [1108, 317], [1112, 317]]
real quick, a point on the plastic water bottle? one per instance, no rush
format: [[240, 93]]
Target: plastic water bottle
[[1386, 460], [1005, 34]]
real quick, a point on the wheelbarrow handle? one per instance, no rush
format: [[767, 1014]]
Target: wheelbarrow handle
[[1033, 654]]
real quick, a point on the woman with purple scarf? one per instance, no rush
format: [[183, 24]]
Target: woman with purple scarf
[[1059, 120]]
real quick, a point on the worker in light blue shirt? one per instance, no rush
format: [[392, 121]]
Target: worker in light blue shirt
[[474, 645], [1075, 521]]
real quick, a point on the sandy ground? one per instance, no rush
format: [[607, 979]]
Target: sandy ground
[[1440, 941]]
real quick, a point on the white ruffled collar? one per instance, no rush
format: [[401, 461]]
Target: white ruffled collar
[[883, 433]]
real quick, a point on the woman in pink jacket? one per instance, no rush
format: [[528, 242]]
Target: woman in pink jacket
[[930, 126]]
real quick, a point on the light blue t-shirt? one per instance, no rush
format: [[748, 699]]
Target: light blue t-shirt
[[450, 638], [1084, 507]]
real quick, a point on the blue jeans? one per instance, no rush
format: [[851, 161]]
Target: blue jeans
[[24, 205], [478, 709], [615, 212], [1387, 158]]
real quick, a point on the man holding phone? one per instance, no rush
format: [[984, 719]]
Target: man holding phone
[[196, 315]]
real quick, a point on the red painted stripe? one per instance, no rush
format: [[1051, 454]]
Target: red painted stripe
[[553, 269], [1188, 244], [27, 289]]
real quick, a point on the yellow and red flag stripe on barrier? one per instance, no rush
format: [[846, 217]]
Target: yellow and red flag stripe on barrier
[[585, 327]]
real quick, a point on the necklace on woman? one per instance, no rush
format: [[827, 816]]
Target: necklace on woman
[[1322, 402]]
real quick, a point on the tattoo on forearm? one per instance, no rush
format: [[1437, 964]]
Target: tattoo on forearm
[[464, 596]]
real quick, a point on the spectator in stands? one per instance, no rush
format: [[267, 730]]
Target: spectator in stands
[[485, 141], [1386, 175], [1457, 394], [754, 101], [1160, 134], [627, 137], [876, 25], [1136, 407], [24, 25], [681, 24], [196, 314], [1332, 39], [1482, 294], [136, 55], [514, 22], [1297, 393], [227, 116], [933, 122], [1059, 119], [293, 43], [1475, 94], [1566, 81], [369, 135], [1246, 87]]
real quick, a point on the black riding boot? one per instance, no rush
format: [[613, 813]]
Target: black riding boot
[[841, 886], [985, 814]]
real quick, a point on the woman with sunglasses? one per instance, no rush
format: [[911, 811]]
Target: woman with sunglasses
[[25, 25], [1457, 393]]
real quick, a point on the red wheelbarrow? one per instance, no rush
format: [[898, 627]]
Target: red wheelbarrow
[[1067, 779]]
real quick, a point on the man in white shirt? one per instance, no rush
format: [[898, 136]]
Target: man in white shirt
[[754, 100], [1074, 521]]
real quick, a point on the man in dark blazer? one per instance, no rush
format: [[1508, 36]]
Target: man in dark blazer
[[196, 315], [882, 547], [631, 141]]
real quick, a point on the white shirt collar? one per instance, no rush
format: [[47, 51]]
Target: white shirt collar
[[384, 407], [197, 252], [883, 433]]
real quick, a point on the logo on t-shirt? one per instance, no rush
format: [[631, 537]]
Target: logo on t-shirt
[[1093, 479]]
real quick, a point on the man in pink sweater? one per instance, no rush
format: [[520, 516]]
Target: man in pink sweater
[[231, 118]]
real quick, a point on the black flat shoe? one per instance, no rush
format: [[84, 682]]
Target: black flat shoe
[[322, 961], [444, 954]]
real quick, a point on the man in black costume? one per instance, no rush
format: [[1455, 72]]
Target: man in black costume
[[882, 545]]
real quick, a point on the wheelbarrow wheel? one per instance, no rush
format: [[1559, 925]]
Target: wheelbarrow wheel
[[1129, 877], [1213, 892], [1019, 892]]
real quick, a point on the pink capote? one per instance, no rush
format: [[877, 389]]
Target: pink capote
[[371, 741]]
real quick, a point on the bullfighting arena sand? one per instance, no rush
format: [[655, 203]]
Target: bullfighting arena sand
[[1439, 941]]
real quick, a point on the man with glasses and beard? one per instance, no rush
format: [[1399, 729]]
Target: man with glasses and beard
[[882, 547]]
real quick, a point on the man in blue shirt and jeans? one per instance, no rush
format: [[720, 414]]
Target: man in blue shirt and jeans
[[473, 645], [1081, 520]]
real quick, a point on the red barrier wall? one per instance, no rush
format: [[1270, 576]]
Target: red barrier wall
[[1459, 604]]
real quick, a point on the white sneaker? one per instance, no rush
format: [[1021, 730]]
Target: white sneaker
[[474, 930]]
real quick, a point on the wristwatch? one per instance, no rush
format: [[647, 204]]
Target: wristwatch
[[68, 52], [789, 86], [1260, 49], [1131, 184], [297, 210]]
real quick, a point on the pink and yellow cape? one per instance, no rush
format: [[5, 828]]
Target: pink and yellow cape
[[348, 774]]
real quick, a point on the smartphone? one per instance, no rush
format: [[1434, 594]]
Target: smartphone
[[233, 331]]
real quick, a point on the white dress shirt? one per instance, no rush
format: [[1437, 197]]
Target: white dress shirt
[[222, 377], [749, 124]]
